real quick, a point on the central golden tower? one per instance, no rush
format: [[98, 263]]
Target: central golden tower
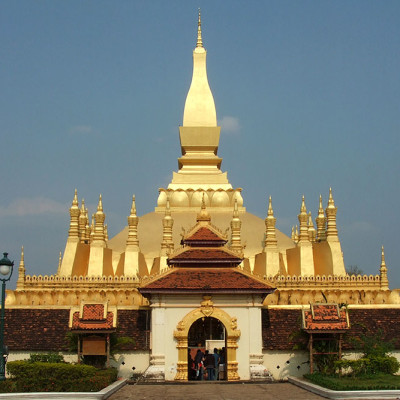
[[199, 167]]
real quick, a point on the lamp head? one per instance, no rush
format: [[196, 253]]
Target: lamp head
[[5, 265]]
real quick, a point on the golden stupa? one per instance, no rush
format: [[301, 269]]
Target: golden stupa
[[94, 267]]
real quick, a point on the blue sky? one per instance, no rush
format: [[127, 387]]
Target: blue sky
[[307, 93]]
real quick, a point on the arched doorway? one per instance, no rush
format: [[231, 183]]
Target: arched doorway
[[207, 333], [232, 334]]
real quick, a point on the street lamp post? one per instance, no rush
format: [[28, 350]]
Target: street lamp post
[[6, 270]]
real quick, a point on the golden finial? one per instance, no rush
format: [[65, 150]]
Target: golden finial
[[75, 200], [59, 260], [235, 210], [199, 39], [270, 210], [133, 208], [292, 236], [203, 215], [383, 263], [100, 205], [311, 229], [296, 234], [21, 271], [303, 205], [167, 208], [83, 207], [383, 272], [321, 208], [331, 202]]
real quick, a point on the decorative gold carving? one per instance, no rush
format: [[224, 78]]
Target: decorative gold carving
[[232, 334], [207, 306]]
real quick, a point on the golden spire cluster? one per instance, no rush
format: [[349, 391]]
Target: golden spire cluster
[[325, 220], [80, 230]]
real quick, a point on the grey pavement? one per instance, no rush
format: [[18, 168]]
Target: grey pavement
[[214, 391]]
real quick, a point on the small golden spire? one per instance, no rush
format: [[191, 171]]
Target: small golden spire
[[311, 229], [236, 224], [383, 272], [296, 234], [100, 205], [59, 260], [383, 263], [303, 222], [75, 200], [167, 243], [330, 211], [292, 235], [303, 205], [199, 39], [270, 210], [133, 221], [21, 270], [133, 208], [270, 232], [331, 202], [203, 215], [74, 212], [321, 222]]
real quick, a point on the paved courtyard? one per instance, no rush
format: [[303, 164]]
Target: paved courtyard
[[215, 391]]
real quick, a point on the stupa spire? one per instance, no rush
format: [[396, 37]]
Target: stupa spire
[[203, 215], [21, 271], [383, 271], [82, 222], [303, 222], [331, 210], [133, 221], [99, 230], [73, 233], [199, 106], [270, 233], [167, 244], [311, 229], [236, 224], [321, 222], [199, 39]]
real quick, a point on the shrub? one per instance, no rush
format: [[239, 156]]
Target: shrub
[[47, 358], [58, 377], [369, 366]]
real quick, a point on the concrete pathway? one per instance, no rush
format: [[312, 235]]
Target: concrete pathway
[[214, 391]]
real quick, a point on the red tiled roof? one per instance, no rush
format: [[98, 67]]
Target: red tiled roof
[[206, 280], [325, 317], [206, 255], [205, 234], [93, 312], [85, 324]]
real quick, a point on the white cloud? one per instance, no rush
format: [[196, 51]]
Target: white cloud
[[82, 130], [34, 206], [229, 125]]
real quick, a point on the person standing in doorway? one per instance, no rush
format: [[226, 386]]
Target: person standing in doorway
[[216, 363], [209, 362], [198, 364]]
